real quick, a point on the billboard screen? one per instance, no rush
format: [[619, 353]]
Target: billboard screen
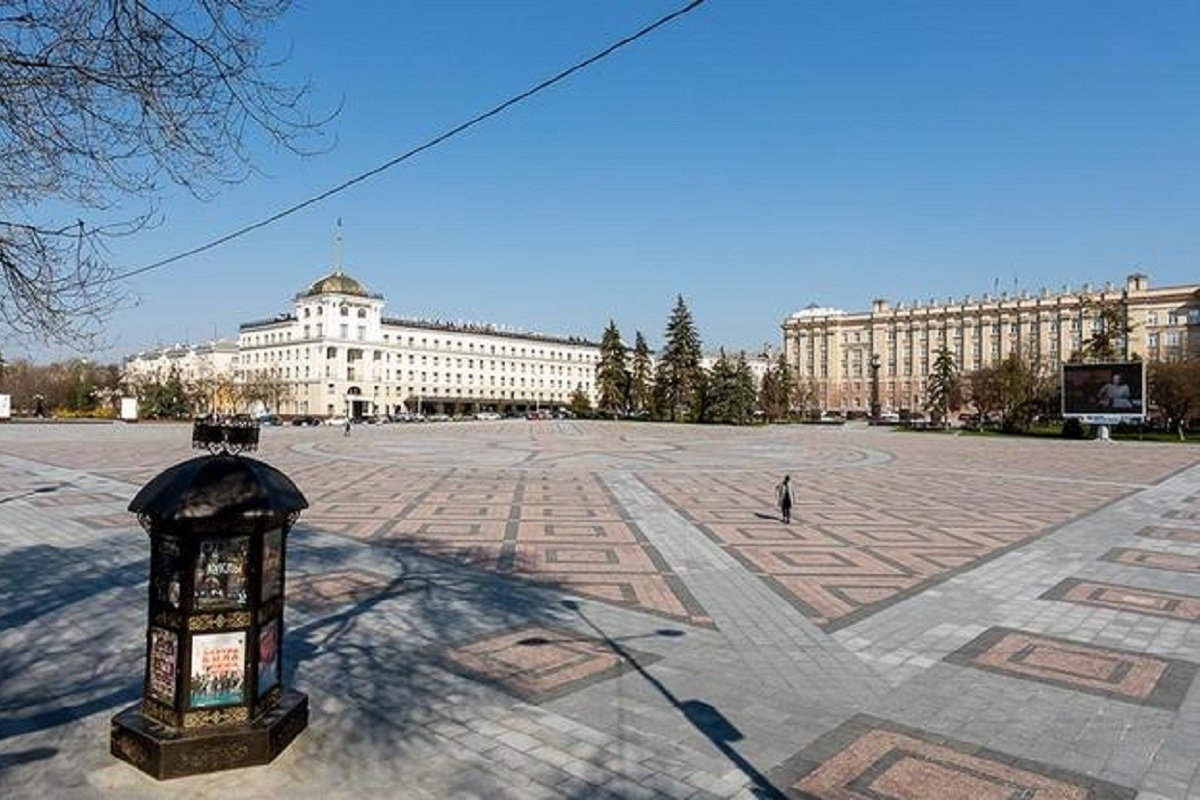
[[1104, 393]]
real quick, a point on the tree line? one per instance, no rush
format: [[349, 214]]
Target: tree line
[[81, 388], [677, 387]]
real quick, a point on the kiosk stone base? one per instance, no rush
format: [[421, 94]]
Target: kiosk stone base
[[164, 752]]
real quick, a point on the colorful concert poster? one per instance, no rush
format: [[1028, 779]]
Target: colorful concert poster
[[221, 573], [164, 655], [272, 565], [268, 656], [218, 669]]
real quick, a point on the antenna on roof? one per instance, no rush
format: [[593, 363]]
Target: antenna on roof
[[337, 249]]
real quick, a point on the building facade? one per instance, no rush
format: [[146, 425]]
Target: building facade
[[337, 353], [832, 351], [193, 364]]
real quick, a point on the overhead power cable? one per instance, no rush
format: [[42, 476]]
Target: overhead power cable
[[504, 106]]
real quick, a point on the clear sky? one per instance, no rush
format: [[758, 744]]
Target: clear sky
[[754, 156]]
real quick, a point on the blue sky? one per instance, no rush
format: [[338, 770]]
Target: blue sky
[[754, 156]]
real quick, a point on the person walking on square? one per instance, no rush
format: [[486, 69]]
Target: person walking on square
[[346, 431], [783, 496]]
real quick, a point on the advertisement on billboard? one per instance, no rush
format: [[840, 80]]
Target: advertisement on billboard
[[1104, 393]]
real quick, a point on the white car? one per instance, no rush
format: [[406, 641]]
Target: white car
[[336, 421], [487, 415]]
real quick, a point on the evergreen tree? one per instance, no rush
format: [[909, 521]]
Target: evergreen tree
[[728, 395], [743, 391], [679, 372], [944, 391], [778, 393], [641, 376], [1109, 332], [612, 374], [719, 394]]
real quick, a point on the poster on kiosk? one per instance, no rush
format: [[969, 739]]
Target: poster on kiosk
[[5, 407], [1104, 394]]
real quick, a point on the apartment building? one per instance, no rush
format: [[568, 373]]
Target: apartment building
[[832, 351], [336, 352]]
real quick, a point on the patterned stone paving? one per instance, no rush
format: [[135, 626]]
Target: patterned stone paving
[[857, 546], [539, 664], [492, 512], [1174, 534], [1155, 603], [874, 759], [1116, 674], [1153, 559], [315, 592], [871, 528]]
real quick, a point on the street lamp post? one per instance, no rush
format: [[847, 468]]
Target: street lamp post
[[875, 387]]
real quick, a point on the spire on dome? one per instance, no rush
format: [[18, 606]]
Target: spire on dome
[[337, 249]]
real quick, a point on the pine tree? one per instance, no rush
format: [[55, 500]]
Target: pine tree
[[641, 376], [778, 393], [612, 374], [719, 397], [678, 375], [1110, 329], [743, 391], [944, 386]]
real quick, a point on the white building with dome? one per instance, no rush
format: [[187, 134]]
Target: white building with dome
[[337, 353]]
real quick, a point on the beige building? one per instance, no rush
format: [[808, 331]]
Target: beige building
[[192, 364], [336, 353], [832, 350]]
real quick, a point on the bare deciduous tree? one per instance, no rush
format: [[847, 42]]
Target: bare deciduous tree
[[104, 102]]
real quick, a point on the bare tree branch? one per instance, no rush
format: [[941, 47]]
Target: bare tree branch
[[104, 102]]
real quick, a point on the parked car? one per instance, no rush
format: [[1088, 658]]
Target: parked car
[[335, 421], [487, 415], [270, 419], [307, 421]]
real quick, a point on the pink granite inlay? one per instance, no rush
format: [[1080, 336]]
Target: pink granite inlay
[[1176, 562], [347, 586], [1139, 601], [914, 769], [1177, 534], [1131, 675], [535, 659]]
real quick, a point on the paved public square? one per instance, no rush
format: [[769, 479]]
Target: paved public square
[[565, 609]]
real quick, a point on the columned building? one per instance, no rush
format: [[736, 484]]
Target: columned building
[[832, 351], [337, 353]]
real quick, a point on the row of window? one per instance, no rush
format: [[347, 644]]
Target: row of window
[[1174, 318], [270, 338], [353, 356], [343, 308]]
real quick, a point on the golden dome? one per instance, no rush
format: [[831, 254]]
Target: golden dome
[[337, 282]]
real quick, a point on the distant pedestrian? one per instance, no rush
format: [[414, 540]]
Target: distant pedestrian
[[783, 496], [346, 428]]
